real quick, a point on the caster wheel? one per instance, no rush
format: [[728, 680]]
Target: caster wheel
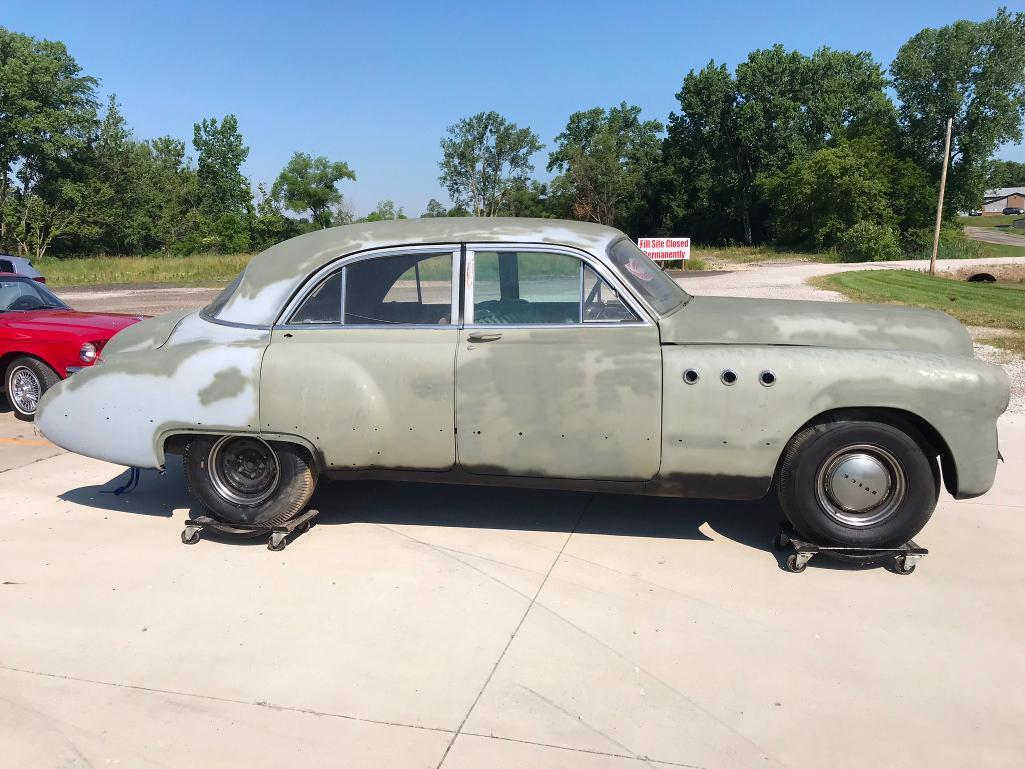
[[277, 547], [187, 540], [781, 541], [794, 566], [902, 566]]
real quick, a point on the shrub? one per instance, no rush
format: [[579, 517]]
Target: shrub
[[868, 242]]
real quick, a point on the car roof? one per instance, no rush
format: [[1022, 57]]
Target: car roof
[[273, 275]]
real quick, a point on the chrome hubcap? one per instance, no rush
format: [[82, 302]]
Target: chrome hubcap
[[25, 390], [244, 471], [860, 485]]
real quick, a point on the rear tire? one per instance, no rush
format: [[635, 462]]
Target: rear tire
[[245, 480], [858, 484], [27, 379]]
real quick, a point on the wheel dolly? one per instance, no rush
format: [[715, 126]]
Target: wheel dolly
[[905, 556], [278, 532]]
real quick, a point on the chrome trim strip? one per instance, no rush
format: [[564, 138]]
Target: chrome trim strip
[[231, 323], [361, 327]]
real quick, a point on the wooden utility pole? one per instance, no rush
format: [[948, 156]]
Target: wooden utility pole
[[939, 206]]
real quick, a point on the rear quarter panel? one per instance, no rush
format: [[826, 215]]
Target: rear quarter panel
[[725, 441]]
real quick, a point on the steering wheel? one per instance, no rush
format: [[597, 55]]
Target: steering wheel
[[25, 302]]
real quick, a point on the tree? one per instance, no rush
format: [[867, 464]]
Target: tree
[[270, 225], [1006, 173], [177, 188], [973, 72], [606, 160], [434, 210], [47, 112], [342, 213], [308, 184], [384, 212], [818, 198], [483, 157], [222, 187], [732, 132]]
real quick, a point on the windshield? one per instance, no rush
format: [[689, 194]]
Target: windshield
[[659, 290], [214, 308], [21, 294]]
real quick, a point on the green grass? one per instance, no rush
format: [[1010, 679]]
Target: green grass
[[755, 254], [989, 250], [102, 270], [992, 221], [999, 305]]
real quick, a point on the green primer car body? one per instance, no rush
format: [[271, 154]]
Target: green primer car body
[[533, 352]]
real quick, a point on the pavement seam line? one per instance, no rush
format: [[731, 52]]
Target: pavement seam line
[[515, 631], [591, 751], [229, 700]]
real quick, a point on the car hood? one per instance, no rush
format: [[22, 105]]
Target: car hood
[[727, 320], [91, 326]]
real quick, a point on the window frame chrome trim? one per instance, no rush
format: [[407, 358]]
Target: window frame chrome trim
[[325, 272], [585, 258]]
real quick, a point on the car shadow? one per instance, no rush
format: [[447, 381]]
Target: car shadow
[[752, 524]]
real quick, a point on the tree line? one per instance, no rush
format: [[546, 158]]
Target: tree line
[[806, 151]]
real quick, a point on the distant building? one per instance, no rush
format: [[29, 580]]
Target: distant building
[[995, 201]]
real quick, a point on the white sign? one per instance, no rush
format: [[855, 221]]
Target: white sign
[[665, 249]]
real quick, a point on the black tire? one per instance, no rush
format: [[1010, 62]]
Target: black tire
[[908, 500], [293, 485], [43, 377]]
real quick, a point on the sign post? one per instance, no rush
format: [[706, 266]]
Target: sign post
[[666, 249]]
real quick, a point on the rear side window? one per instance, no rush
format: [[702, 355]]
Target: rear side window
[[6, 265], [408, 289]]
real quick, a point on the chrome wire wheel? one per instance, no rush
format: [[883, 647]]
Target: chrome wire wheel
[[243, 470], [860, 485], [25, 389]]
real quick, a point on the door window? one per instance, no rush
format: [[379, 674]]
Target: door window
[[512, 288], [408, 289]]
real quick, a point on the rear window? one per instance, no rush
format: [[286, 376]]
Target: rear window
[[214, 308], [654, 286]]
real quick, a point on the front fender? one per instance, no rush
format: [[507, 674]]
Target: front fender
[[204, 377], [730, 438]]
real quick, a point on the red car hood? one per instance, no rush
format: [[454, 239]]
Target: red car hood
[[89, 326]]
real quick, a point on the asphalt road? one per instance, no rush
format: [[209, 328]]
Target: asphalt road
[[993, 235], [426, 626]]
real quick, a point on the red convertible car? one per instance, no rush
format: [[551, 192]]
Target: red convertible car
[[42, 340]]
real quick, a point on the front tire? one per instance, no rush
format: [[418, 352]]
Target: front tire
[[244, 480], [27, 379], [858, 484]]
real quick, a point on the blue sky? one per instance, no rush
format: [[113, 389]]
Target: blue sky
[[376, 85]]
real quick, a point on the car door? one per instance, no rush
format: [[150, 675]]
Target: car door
[[361, 363], [558, 370]]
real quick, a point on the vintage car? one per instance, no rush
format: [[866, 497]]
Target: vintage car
[[541, 353], [42, 340]]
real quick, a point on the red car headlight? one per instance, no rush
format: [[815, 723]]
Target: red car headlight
[[88, 352]]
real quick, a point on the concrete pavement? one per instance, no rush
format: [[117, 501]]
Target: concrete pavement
[[464, 627]]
